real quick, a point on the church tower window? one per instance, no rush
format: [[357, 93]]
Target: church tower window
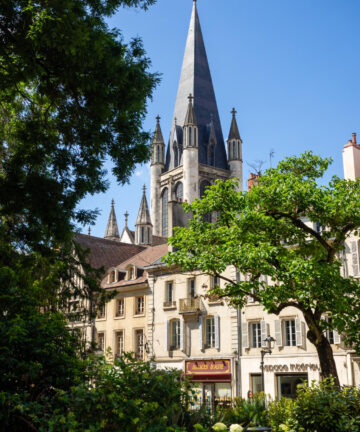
[[164, 212], [179, 192], [190, 137], [176, 154], [234, 149]]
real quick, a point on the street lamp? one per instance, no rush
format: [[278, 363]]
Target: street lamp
[[267, 350]]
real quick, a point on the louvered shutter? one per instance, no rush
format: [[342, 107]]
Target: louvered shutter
[[355, 257], [298, 332], [278, 333], [187, 340], [337, 337], [245, 334], [217, 331], [181, 333], [166, 333], [201, 342], [263, 333]]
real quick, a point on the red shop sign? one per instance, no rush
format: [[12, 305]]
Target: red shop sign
[[208, 367]]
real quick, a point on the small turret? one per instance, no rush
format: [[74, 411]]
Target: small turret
[[157, 166], [191, 154], [143, 226], [112, 230], [235, 150]]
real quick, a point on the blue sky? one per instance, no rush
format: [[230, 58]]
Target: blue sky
[[289, 67]]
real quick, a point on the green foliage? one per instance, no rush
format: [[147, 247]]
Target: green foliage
[[318, 408], [263, 232], [247, 413], [131, 396]]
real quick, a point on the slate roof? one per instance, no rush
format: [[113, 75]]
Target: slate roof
[[234, 130], [196, 79], [106, 253]]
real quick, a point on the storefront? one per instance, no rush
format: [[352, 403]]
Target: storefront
[[212, 381]]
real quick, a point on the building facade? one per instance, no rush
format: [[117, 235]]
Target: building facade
[[167, 316]]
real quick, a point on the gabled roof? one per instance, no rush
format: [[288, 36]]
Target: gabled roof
[[106, 253], [196, 79]]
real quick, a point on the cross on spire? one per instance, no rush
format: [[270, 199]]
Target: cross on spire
[[126, 214], [233, 112]]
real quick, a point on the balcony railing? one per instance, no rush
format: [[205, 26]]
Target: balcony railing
[[190, 305]]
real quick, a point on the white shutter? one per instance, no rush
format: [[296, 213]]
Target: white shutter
[[278, 333], [166, 334], [181, 333], [303, 330], [263, 333], [245, 334], [201, 332], [298, 332], [337, 337], [217, 331], [355, 257]]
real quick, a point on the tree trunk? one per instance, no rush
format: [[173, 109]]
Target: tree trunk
[[325, 353]]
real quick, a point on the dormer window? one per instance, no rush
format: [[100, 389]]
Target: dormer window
[[112, 276], [131, 273]]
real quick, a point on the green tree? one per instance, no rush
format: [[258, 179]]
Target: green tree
[[270, 231], [73, 94]]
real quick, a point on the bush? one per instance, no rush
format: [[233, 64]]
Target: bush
[[320, 407], [247, 413]]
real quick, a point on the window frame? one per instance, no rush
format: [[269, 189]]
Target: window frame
[[101, 335], [139, 347], [118, 301], [289, 329], [175, 334], [255, 334], [122, 350], [210, 336], [139, 311]]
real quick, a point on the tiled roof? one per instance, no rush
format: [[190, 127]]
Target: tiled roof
[[106, 253]]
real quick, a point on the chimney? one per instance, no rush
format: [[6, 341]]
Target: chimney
[[351, 159], [354, 138], [253, 180]]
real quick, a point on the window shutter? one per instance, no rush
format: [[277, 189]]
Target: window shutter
[[278, 333], [166, 335], [263, 333], [337, 337], [181, 333], [217, 331], [298, 332], [201, 332], [303, 330], [355, 257], [245, 334]]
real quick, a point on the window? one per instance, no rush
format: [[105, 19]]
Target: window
[[290, 333], [190, 137], [131, 273], [331, 334], [176, 154], [139, 305], [191, 288], [157, 154], [169, 294], [175, 334], [112, 276], [139, 344], [179, 192], [119, 343], [214, 281], [101, 341], [210, 332], [142, 235], [164, 212], [120, 307], [255, 380], [233, 150], [101, 312], [255, 330]]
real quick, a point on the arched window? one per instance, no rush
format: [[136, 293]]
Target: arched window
[[142, 235], [190, 137], [211, 154], [239, 150], [164, 212], [148, 235], [234, 150], [179, 192], [157, 153], [203, 185], [176, 154]]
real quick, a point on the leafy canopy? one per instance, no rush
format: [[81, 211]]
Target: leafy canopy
[[271, 231]]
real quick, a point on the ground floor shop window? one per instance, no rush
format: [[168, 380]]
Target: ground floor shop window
[[212, 395], [255, 383], [287, 384]]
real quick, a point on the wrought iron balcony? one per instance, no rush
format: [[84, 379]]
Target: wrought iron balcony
[[190, 305]]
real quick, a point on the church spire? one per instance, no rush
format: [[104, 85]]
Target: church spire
[[143, 226], [234, 133], [112, 231], [196, 79]]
